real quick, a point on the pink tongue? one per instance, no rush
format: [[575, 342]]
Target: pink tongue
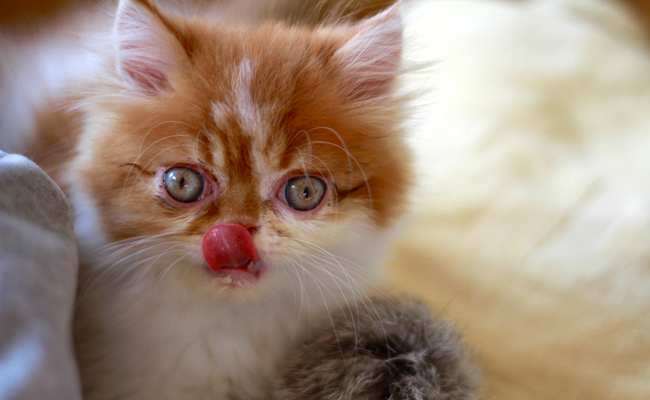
[[228, 246]]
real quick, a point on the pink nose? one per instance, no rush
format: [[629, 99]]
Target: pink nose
[[228, 246]]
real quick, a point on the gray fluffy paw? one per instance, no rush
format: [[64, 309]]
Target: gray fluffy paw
[[385, 349]]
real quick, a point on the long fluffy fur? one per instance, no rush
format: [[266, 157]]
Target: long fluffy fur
[[384, 348]]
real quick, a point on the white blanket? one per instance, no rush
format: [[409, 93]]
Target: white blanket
[[532, 222]]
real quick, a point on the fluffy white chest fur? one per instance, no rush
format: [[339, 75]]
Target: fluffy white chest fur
[[166, 346]]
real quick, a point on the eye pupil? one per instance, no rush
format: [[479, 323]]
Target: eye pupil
[[184, 184], [304, 193]]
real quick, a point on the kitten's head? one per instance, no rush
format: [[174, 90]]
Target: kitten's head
[[235, 160]]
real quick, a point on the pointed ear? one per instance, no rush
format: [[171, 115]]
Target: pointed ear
[[147, 50], [372, 57]]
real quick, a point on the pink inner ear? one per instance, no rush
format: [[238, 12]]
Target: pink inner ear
[[374, 80], [145, 48], [372, 57], [144, 76]]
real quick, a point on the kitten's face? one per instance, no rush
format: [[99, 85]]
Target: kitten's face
[[289, 133]]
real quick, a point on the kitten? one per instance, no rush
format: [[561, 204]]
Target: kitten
[[230, 182]]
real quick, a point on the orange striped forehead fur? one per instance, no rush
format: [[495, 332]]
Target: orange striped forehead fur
[[248, 106]]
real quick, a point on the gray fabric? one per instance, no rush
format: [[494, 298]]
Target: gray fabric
[[38, 272]]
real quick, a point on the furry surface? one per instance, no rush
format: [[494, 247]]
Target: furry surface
[[384, 348], [532, 227]]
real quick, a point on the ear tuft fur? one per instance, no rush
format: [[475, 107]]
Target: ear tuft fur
[[147, 51], [372, 57]]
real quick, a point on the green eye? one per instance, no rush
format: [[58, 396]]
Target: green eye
[[304, 193], [184, 184]]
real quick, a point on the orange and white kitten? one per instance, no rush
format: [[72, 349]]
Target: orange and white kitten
[[228, 181]]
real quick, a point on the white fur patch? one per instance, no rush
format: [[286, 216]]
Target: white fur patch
[[87, 223], [248, 112], [220, 112], [243, 108]]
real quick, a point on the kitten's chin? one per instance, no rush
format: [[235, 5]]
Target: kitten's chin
[[235, 278], [229, 284]]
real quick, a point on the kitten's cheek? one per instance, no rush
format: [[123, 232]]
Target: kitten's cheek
[[229, 247]]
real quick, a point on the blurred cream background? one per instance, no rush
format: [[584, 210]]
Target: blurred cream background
[[531, 226]]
